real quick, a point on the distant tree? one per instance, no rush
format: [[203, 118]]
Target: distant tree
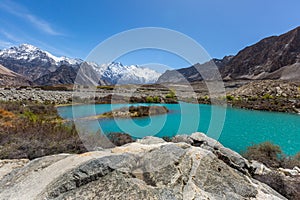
[[229, 97], [171, 94], [156, 99], [149, 99]]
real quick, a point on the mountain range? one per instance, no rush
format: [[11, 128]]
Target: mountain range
[[276, 57], [43, 68]]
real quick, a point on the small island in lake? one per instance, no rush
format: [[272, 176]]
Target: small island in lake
[[132, 112]]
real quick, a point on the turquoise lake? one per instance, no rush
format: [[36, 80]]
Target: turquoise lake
[[234, 128]]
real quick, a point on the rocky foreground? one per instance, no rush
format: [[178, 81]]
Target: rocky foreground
[[190, 167]]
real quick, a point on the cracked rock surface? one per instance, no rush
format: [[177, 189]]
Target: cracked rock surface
[[147, 169]]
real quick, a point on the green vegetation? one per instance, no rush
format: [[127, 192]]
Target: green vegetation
[[229, 98], [156, 99], [150, 99], [267, 96], [252, 98], [31, 116], [171, 94], [238, 98], [232, 98], [271, 155]]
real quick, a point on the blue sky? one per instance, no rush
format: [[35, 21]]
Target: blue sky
[[74, 27]]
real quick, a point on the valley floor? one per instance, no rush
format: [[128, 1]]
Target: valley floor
[[281, 96]]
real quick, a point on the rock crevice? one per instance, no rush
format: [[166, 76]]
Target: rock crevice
[[146, 169]]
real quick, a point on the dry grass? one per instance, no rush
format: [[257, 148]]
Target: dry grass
[[271, 155], [6, 118], [30, 130]]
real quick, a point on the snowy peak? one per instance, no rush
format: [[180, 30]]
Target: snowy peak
[[27, 52], [64, 60], [27, 48], [23, 52], [116, 73]]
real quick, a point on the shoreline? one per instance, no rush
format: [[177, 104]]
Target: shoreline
[[265, 95], [229, 104]]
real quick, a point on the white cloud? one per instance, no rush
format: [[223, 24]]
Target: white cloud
[[20, 11], [41, 24]]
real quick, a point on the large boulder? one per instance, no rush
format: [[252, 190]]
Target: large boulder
[[146, 169], [285, 181], [230, 157]]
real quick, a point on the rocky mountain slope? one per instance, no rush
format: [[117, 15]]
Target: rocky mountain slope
[[62, 75], [194, 167], [44, 68], [276, 57], [192, 74], [10, 78]]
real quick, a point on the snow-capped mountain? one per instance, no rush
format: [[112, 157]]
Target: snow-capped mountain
[[29, 53], [116, 73], [43, 68], [32, 62]]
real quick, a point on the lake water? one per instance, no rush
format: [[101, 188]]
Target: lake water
[[234, 128]]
